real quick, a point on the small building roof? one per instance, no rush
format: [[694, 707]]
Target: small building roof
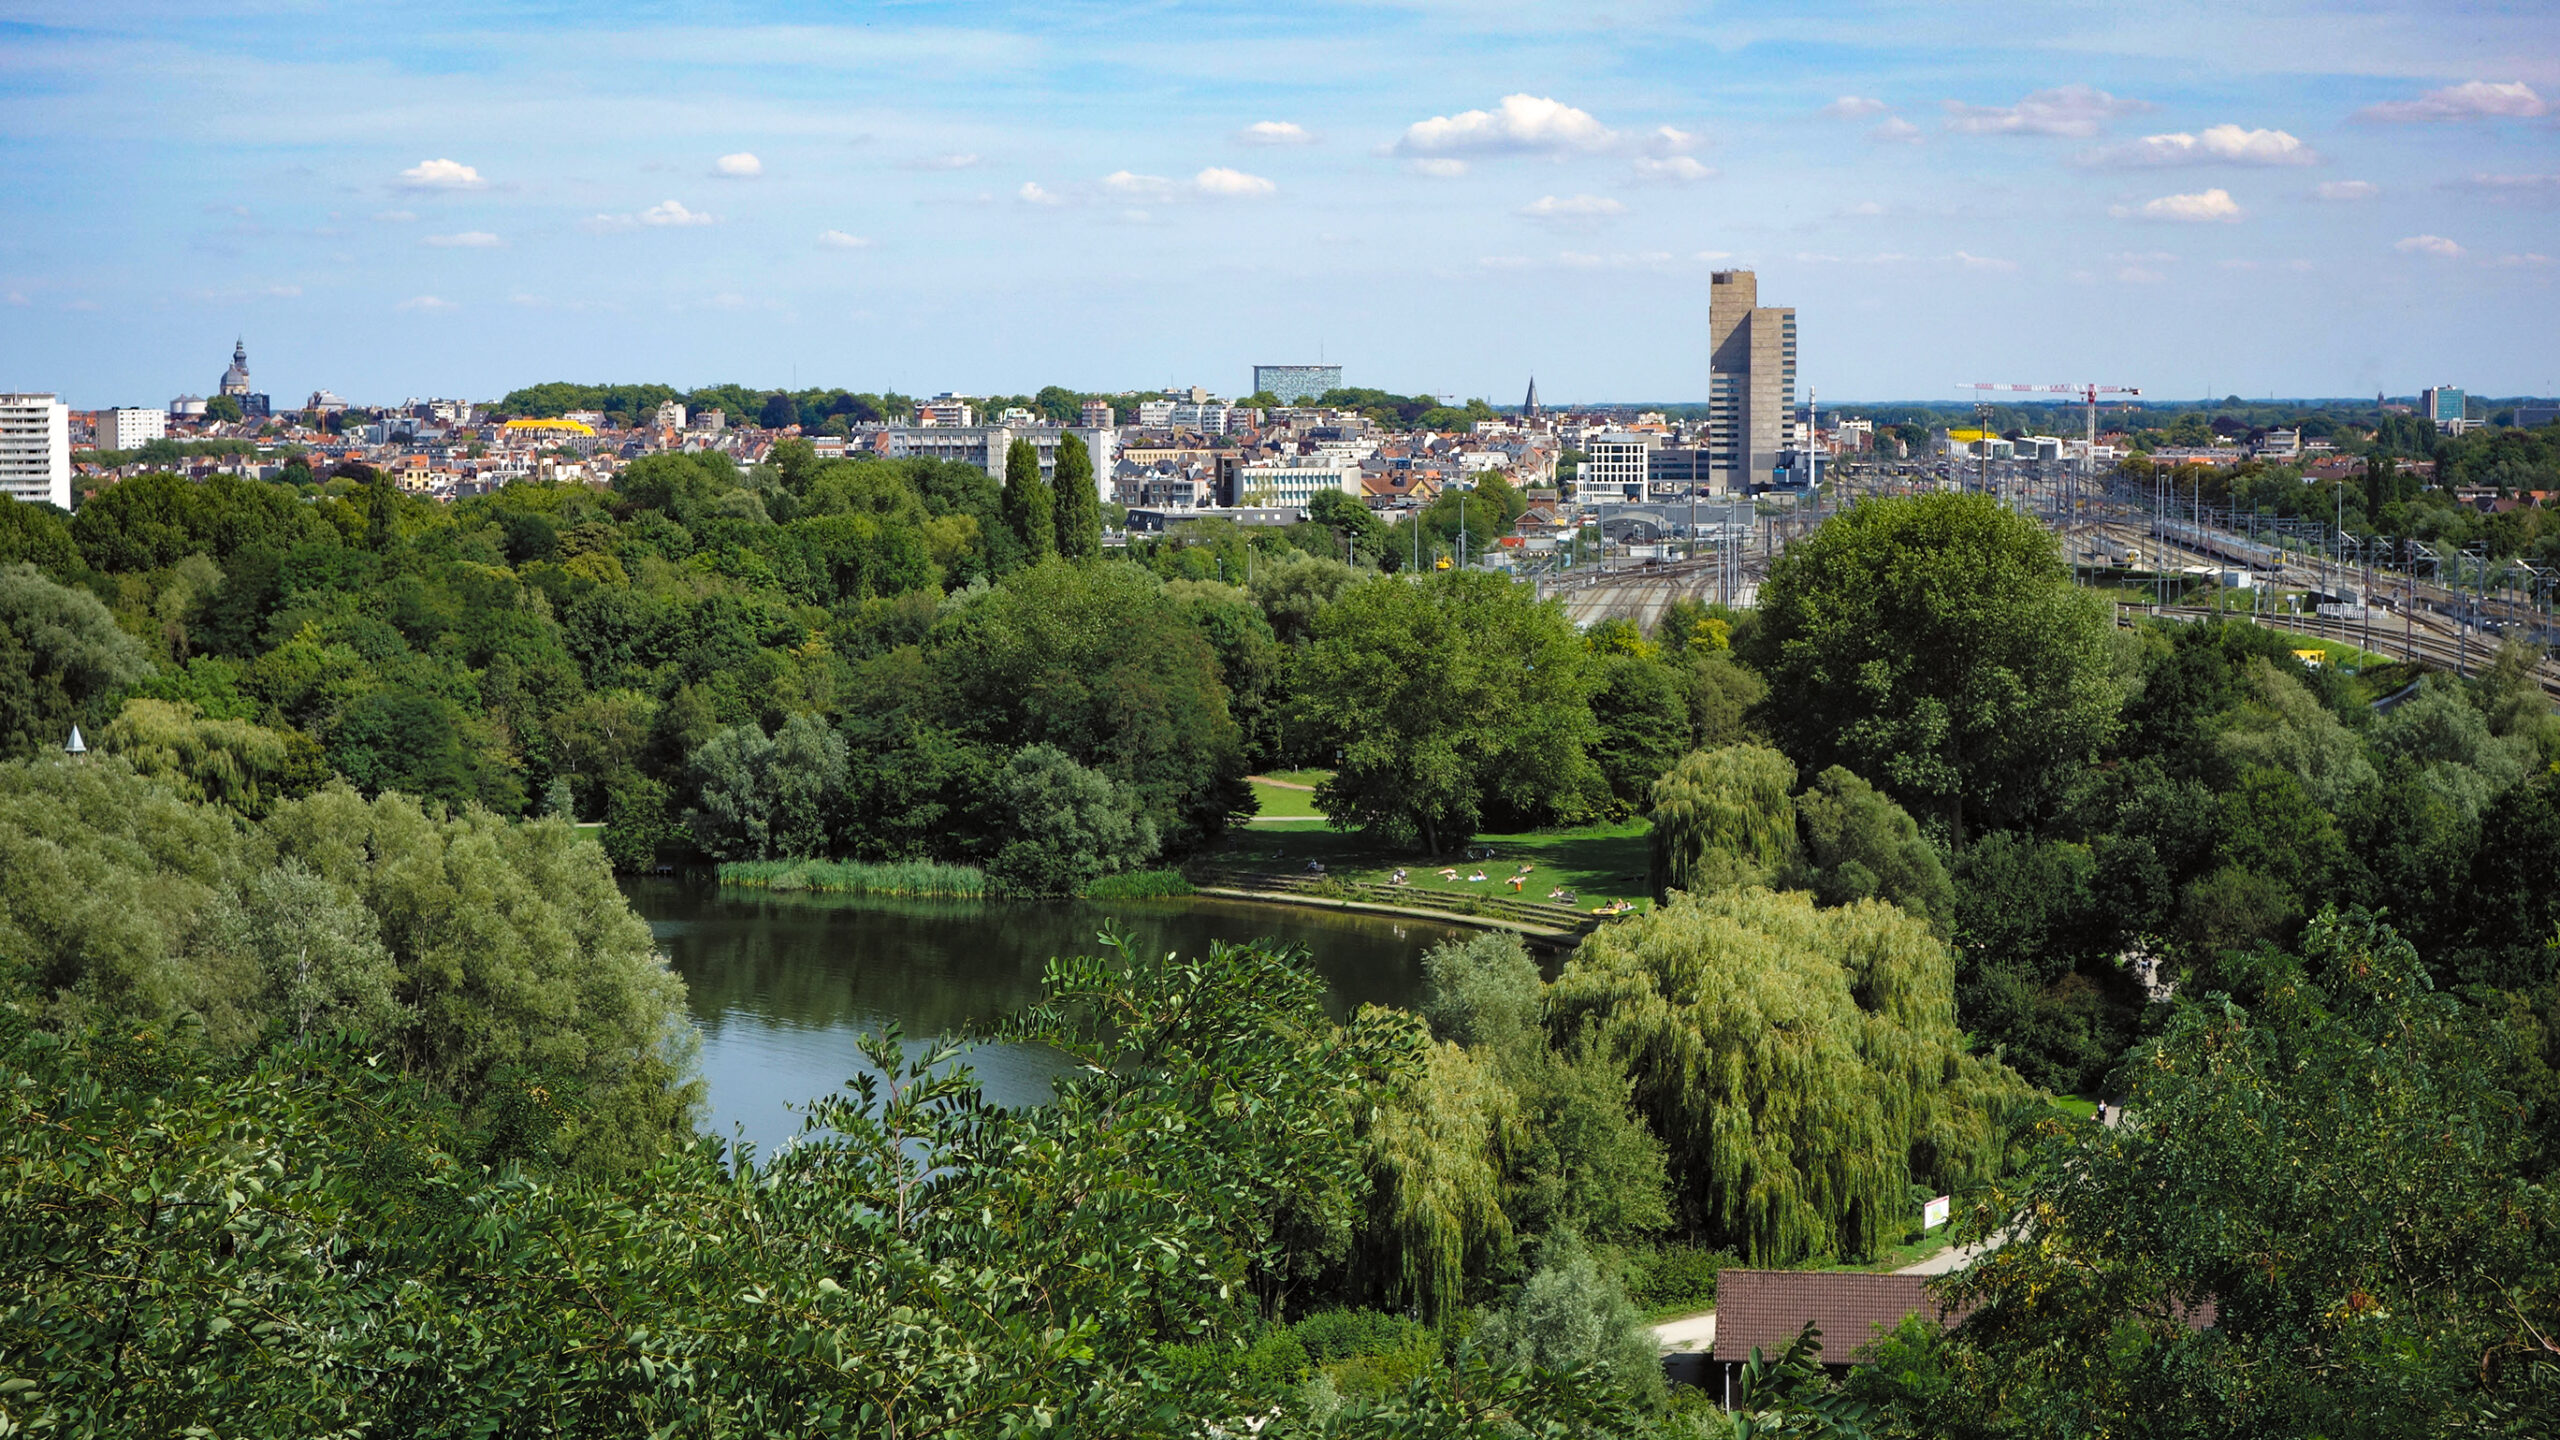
[[1767, 1309]]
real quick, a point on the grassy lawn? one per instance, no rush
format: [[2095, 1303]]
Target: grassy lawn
[[1280, 802], [1597, 862], [1309, 778]]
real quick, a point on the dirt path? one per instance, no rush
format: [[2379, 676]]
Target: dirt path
[[1280, 784]]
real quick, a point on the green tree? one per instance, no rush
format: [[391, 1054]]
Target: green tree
[[1078, 514], [1454, 702], [1803, 1065], [2327, 1155], [1569, 1316], [238, 763], [768, 797], [39, 535], [1030, 510], [61, 659], [1935, 645], [1722, 818], [223, 407], [1856, 844], [1065, 825]]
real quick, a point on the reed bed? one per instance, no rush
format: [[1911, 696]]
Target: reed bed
[[1140, 885], [919, 879]]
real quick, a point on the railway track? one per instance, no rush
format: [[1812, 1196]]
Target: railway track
[[2428, 646]]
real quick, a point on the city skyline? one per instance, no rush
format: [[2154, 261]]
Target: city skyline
[[2295, 199]]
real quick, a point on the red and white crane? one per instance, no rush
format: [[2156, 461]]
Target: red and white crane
[[2087, 392]]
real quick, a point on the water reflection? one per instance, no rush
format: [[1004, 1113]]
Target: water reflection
[[783, 985]]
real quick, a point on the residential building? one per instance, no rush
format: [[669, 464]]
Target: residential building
[[946, 409], [1751, 380], [35, 449], [670, 415], [985, 446], [1208, 417], [1294, 384], [1098, 416], [129, 428], [325, 402], [2442, 405], [1155, 414], [1614, 468], [1291, 482], [2280, 444]]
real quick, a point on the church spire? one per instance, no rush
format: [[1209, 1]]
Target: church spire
[[1529, 407]]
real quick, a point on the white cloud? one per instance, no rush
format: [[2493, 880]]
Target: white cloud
[[956, 160], [840, 240], [1122, 182], [1984, 262], [396, 217], [467, 240], [1854, 107], [2142, 257], [2528, 259], [17, 297], [2202, 207], [283, 292], [1219, 180], [741, 166], [2136, 275], [2346, 190], [2221, 144], [1274, 132], [1864, 209], [1675, 167], [2435, 245], [1572, 208], [1521, 125], [664, 213], [1712, 257], [1440, 168], [424, 303], [441, 175], [1896, 131], [1032, 194], [2477, 100], [2073, 111]]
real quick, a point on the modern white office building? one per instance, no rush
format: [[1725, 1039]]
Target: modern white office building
[[1293, 482], [35, 449], [130, 428], [1615, 467]]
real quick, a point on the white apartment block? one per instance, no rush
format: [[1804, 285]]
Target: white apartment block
[[1615, 468], [1293, 482], [35, 449], [130, 428]]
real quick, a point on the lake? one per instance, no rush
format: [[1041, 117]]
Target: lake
[[783, 985]]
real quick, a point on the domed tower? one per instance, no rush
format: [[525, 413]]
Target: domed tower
[[235, 381]]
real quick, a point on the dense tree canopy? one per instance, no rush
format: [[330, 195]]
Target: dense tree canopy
[[1935, 645], [1451, 703]]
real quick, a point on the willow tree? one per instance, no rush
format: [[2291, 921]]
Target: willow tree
[[1802, 1064], [1723, 818], [1436, 1181]]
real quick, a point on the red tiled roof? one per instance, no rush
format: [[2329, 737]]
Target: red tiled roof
[[1766, 1309]]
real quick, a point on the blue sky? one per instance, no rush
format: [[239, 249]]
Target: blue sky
[[2262, 196]]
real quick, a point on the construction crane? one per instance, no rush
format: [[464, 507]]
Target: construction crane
[[2088, 394]]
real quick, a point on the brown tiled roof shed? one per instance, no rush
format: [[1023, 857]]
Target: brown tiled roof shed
[[1766, 1309]]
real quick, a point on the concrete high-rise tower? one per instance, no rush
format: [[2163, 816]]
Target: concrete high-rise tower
[[1751, 381]]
